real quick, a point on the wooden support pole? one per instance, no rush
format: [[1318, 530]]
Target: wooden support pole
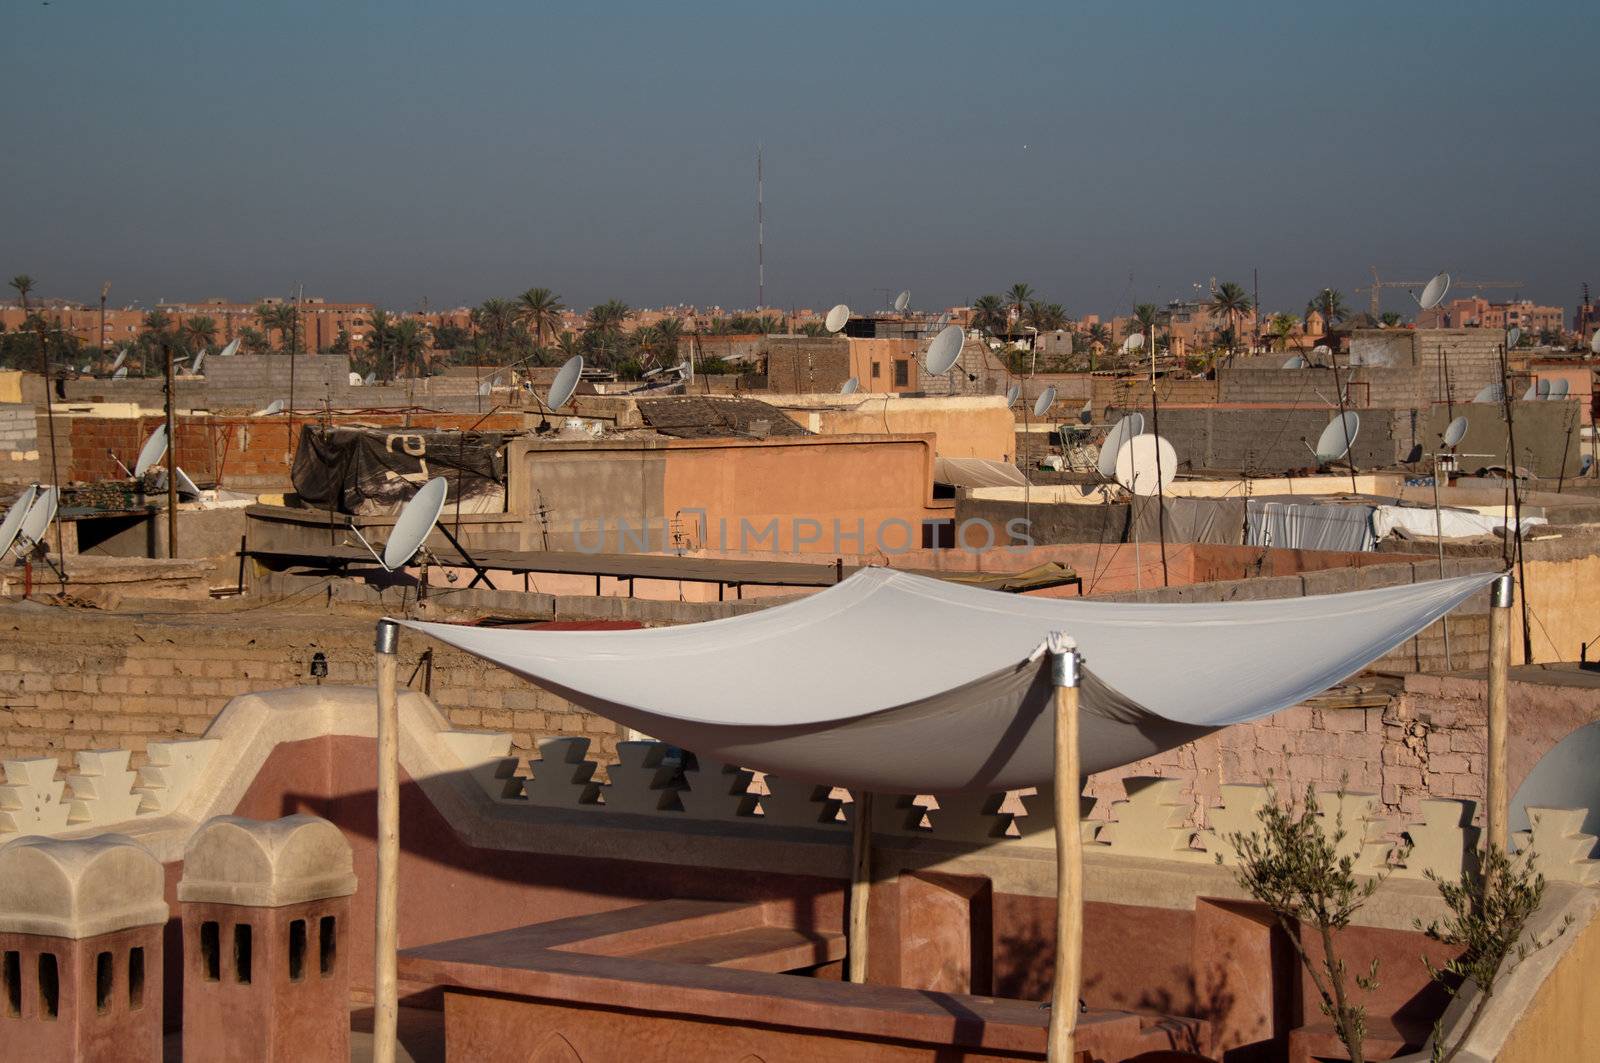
[[1499, 666], [860, 882], [385, 996], [1069, 854]]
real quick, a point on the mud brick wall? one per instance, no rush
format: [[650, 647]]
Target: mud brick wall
[[73, 679], [19, 441], [807, 364]]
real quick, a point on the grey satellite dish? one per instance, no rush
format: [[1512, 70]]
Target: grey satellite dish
[[1086, 414], [120, 374], [1559, 389], [1145, 465], [12, 524], [370, 379], [416, 520], [486, 387], [565, 383], [944, 350], [272, 408], [1127, 428], [122, 356], [837, 317], [902, 301], [1297, 361], [1013, 393], [199, 360], [40, 514], [230, 350], [1434, 293], [1046, 399], [152, 451], [1513, 336], [851, 386], [1134, 342], [1532, 393], [1455, 431], [1488, 393], [1544, 388], [1337, 439]]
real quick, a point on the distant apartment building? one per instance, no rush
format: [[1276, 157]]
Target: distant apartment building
[[320, 321], [1478, 312]]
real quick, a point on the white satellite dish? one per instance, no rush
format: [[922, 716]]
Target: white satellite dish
[[1322, 348], [1297, 361], [565, 383], [1513, 336], [199, 360], [1129, 427], [1337, 439], [122, 356], [483, 388], [1046, 399], [1134, 342], [230, 350], [1013, 393], [851, 386], [1146, 464], [186, 486], [1434, 293], [370, 379], [153, 450], [1455, 431], [120, 374], [1544, 388], [40, 514], [411, 528], [1489, 393], [944, 350], [272, 408], [1594, 342], [837, 317], [902, 301], [12, 524], [1559, 388], [355, 380]]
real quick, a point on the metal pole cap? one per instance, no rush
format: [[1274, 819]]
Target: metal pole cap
[[1501, 592], [387, 639]]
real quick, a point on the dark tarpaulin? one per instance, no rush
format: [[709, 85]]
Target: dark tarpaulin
[[352, 468]]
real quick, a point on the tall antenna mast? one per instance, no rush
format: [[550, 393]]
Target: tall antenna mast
[[761, 240]]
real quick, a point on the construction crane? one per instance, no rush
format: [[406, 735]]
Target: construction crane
[[1378, 286]]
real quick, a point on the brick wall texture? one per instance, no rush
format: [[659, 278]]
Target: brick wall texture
[[75, 679]]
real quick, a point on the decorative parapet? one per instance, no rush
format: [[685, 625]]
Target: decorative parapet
[[469, 773]]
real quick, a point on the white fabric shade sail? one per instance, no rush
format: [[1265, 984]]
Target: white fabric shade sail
[[905, 684]]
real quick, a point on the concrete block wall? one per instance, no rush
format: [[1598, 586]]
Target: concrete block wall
[[1268, 440], [1367, 387], [1133, 392], [807, 364], [72, 680], [19, 441]]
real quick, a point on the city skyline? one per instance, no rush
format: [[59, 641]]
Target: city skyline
[[387, 153]]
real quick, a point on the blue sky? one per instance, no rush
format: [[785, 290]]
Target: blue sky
[[1104, 153]]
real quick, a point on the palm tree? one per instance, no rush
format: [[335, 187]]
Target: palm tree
[[1146, 316], [253, 340], [1390, 319], [23, 284], [267, 317], [1231, 303], [1330, 304], [670, 330], [288, 319], [1017, 299], [989, 314], [498, 320], [410, 340], [609, 315], [539, 310], [568, 344], [1046, 317], [649, 340], [811, 328], [1099, 334], [1281, 327], [380, 324], [199, 332]]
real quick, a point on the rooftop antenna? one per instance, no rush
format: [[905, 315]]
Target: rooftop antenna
[[761, 238], [1514, 541], [1454, 432], [11, 526]]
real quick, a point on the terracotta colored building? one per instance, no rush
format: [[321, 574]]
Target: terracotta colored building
[[1479, 312]]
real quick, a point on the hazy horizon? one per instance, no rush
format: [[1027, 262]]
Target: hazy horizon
[[399, 151]]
